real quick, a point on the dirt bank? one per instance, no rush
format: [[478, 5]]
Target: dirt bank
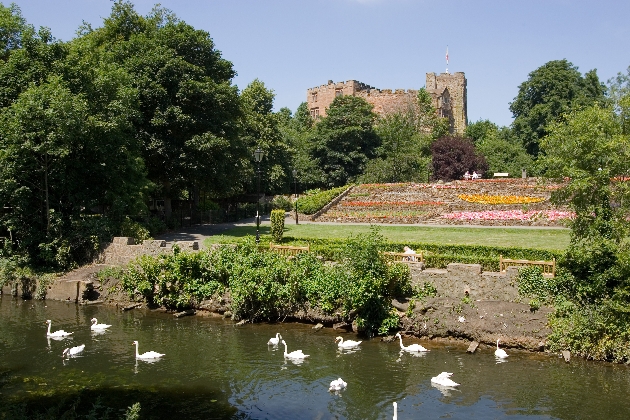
[[431, 319]]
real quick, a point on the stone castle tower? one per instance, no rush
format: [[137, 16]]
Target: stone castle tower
[[448, 92]]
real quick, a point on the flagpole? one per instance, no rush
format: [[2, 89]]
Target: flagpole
[[447, 59]]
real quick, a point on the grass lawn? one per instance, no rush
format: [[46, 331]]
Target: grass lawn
[[552, 239]]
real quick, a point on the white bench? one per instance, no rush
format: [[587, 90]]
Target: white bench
[[501, 174]]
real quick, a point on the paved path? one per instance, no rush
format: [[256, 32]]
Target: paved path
[[200, 232]]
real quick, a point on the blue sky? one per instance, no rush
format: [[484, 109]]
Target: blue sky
[[292, 45]]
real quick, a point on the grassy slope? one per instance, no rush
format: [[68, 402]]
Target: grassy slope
[[552, 239]]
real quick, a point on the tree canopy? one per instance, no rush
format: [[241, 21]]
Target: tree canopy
[[345, 140], [550, 91]]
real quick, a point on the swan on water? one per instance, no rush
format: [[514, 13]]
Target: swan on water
[[147, 355], [348, 344], [412, 348], [444, 379], [98, 327], [296, 354], [395, 411], [274, 341], [500, 353], [338, 385], [73, 351], [60, 333]]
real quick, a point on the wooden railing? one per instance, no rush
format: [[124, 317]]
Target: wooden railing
[[548, 267], [288, 250], [402, 257]]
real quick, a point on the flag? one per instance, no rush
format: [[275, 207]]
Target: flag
[[446, 55]]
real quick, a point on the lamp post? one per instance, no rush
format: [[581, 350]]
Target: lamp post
[[296, 194], [258, 154]]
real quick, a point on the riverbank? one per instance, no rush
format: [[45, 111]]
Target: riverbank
[[432, 319]]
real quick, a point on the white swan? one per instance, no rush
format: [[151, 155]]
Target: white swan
[[274, 341], [500, 353], [60, 333], [444, 379], [73, 351], [348, 344], [98, 327], [147, 355], [338, 385], [395, 411], [412, 348], [296, 354]]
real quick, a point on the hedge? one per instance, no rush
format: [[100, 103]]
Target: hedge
[[312, 202]]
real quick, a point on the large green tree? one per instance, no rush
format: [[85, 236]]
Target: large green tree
[[261, 129], [503, 152], [552, 90], [404, 154], [189, 109], [344, 140]]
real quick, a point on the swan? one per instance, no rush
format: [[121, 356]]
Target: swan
[[98, 327], [348, 344], [296, 354], [412, 348], [60, 333], [73, 351], [147, 355], [395, 411], [274, 341], [338, 385], [500, 353], [444, 379]]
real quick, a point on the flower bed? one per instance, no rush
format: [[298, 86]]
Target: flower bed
[[550, 215], [389, 203], [499, 199]]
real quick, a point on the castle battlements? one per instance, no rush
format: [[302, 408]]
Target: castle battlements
[[448, 92]]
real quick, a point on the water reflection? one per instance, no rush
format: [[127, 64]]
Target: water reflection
[[213, 370], [445, 390]]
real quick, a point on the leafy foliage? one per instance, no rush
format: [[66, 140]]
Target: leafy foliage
[[345, 140], [277, 225], [552, 90], [313, 201], [453, 156], [267, 285]]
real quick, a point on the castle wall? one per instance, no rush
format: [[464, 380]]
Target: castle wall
[[450, 103]]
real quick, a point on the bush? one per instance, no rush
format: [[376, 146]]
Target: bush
[[314, 201], [282, 202], [453, 156], [277, 225], [269, 286]]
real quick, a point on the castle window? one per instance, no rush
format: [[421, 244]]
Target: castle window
[[315, 113], [338, 92], [314, 97]]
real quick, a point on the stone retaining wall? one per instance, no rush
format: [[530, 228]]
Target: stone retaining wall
[[460, 280], [122, 250]]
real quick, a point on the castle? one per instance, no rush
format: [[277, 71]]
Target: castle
[[448, 93]]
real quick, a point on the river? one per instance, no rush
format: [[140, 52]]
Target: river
[[213, 369]]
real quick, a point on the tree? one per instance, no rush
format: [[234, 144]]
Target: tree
[[404, 152], [189, 110], [63, 155], [297, 134], [260, 129], [453, 156], [554, 89], [344, 140], [503, 152]]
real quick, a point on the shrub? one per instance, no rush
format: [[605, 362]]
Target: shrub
[[282, 202], [453, 156], [277, 225], [313, 201]]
